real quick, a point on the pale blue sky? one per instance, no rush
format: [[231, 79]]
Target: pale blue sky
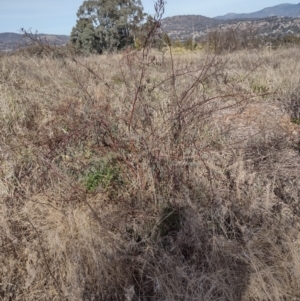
[[59, 16]]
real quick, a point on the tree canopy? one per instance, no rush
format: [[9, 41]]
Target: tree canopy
[[106, 24]]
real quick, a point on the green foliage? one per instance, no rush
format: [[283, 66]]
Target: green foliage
[[117, 79], [138, 44], [190, 44], [106, 25], [296, 121], [104, 175], [259, 88], [84, 38], [148, 34]]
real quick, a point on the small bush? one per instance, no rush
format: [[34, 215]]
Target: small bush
[[103, 175]]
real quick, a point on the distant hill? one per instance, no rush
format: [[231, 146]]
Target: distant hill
[[281, 10], [184, 26], [197, 26], [187, 22], [11, 41]]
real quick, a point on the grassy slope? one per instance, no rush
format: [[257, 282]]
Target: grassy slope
[[162, 179]]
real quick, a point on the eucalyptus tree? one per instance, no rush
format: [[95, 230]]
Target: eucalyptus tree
[[106, 24]]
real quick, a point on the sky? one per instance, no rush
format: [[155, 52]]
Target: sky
[[59, 16]]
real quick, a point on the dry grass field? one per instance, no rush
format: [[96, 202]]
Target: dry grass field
[[160, 177]]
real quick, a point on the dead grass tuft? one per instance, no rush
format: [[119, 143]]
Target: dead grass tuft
[[176, 179]]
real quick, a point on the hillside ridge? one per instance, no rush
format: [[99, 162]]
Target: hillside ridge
[[10, 41], [280, 10]]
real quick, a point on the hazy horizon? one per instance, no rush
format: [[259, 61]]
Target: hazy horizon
[[58, 17]]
